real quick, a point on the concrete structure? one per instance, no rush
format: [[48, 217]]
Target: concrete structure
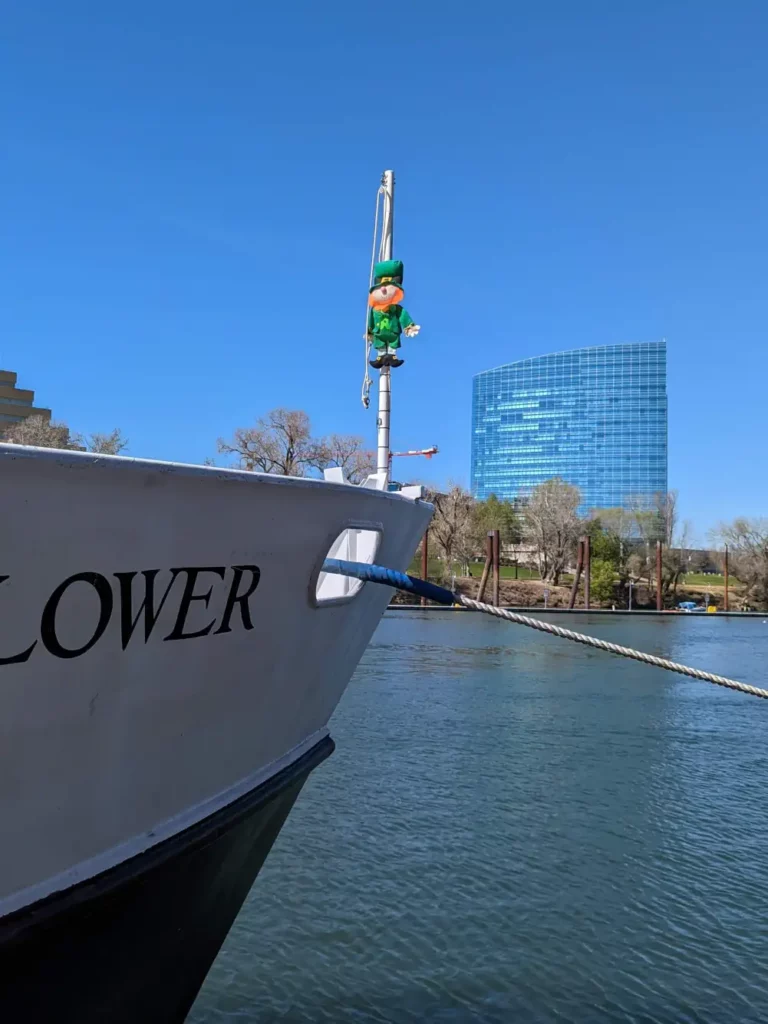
[[596, 417], [16, 404]]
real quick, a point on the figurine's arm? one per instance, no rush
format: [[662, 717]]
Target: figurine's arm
[[370, 322], [410, 329]]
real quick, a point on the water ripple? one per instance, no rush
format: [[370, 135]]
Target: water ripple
[[516, 829]]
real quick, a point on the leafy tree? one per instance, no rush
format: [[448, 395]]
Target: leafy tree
[[603, 544], [614, 532], [493, 514], [602, 583]]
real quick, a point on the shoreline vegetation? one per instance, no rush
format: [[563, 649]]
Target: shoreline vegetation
[[632, 551], [528, 590]]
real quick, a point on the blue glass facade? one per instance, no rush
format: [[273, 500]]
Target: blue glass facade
[[597, 417]]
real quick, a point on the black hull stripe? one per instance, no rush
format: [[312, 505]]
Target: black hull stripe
[[135, 943]]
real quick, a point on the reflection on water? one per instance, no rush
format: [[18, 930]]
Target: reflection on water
[[515, 828]]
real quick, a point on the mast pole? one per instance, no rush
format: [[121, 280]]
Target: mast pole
[[383, 462]]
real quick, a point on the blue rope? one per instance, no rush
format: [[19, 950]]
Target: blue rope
[[390, 578]]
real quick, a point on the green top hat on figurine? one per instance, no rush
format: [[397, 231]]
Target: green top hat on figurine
[[388, 272]]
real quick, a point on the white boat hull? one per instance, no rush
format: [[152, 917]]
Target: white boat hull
[[163, 656]]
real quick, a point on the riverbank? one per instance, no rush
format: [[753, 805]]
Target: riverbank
[[541, 610], [533, 594]]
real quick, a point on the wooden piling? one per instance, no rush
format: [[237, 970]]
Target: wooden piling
[[425, 562], [587, 570], [577, 577], [487, 566], [496, 566]]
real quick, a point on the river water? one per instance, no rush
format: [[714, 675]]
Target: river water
[[514, 828]]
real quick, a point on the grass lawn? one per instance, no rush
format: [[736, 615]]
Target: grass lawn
[[700, 579], [476, 569], [694, 579]]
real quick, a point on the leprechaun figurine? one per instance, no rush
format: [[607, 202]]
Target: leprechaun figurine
[[387, 319]]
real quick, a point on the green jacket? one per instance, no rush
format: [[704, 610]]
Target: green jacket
[[387, 325]]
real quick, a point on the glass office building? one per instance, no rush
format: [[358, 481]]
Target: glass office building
[[597, 417]]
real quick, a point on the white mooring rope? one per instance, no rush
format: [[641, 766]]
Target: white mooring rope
[[423, 588]]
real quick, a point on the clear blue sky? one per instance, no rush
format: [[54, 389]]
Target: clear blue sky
[[187, 203]]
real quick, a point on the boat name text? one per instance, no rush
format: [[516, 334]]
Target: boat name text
[[135, 600]]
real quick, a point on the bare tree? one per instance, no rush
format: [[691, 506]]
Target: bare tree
[[653, 521], [636, 565], [666, 511], [675, 558], [105, 444], [660, 522], [348, 452], [451, 529], [280, 443], [552, 525], [466, 546], [747, 541], [39, 432]]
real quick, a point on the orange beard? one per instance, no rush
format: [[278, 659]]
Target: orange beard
[[381, 306]]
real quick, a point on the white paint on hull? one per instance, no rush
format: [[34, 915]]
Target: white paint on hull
[[106, 753], [107, 859]]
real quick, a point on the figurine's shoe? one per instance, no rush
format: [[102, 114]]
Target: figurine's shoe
[[393, 361], [377, 363]]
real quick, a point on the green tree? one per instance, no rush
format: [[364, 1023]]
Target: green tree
[[602, 584], [493, 514], [604, 545], [616, 536]]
